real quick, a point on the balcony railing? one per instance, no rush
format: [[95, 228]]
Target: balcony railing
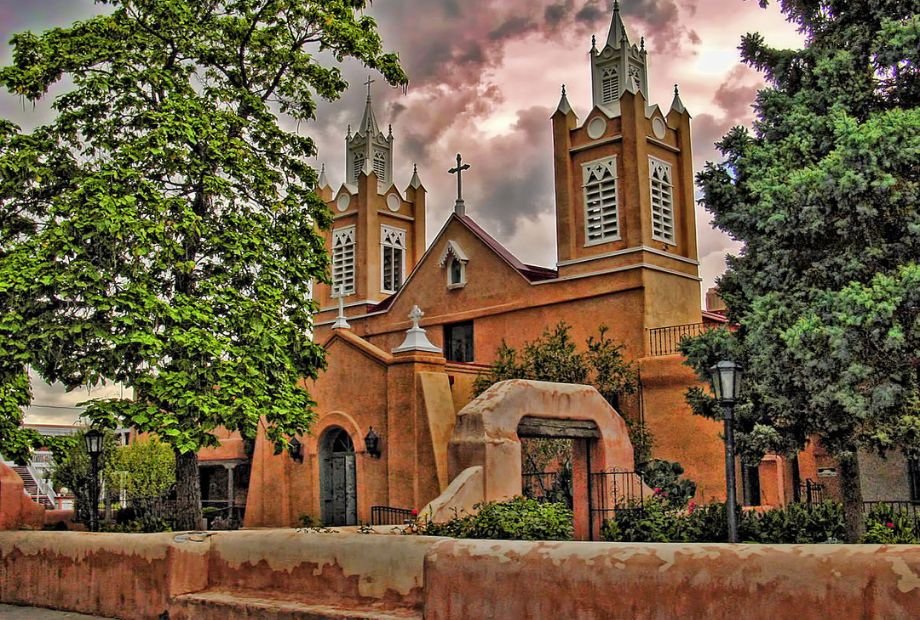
[[665, 340]]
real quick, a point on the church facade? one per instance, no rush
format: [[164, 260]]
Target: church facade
[[407, 326]]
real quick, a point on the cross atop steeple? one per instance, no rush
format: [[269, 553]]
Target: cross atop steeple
[[459, 206], [368, 84]]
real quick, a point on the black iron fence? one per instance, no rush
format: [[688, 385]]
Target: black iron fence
[[895, 508], [664, 340], [548, 486], [388, 515], [612, 491], [811, 492]]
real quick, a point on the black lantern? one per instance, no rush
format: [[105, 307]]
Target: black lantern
[[295, 449], [726, 385], [726, 382], [372, 443], [93, 439]]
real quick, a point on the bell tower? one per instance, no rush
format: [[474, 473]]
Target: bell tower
[[617, 67], [624, 184], [378, 232]]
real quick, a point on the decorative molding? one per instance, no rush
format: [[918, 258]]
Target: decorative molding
[[452, 248], [585, 147], [397, 216], [579, 276], [663, 145], [641, 248]]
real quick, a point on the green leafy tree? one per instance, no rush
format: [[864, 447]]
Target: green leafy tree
[[823, 194], [165, 226], [144, 468]]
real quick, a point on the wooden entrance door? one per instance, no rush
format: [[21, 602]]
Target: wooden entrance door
[[338, 482]]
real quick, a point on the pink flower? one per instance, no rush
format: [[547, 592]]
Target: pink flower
[[691, 507], [414, 512], [889, 525], [657, 490]]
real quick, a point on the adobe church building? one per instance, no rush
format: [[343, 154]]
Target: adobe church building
[[407, 327]]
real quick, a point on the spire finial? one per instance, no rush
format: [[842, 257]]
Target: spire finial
[[676, 90], [459, 206], [593, 41], [368, 84], [563, 90], [616, 5], [642, 44], [415, 182], [390, 132]]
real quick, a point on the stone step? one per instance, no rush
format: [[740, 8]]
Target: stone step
[[217, 605]]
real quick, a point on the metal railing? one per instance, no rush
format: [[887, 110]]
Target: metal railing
[[895, 507], [665, 340], [811, 492], [612, 491], [388, 515]]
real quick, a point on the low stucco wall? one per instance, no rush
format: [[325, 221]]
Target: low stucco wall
[[319, 568], [492, 579], [117, 575], [143, 575]]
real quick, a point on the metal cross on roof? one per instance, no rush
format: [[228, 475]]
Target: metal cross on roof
[[459, 207], [368, 84]]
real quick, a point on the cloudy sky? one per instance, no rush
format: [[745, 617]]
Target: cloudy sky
[[485, 77]]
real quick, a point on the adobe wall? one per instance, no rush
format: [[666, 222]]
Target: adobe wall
[[17, 510], [143, 575], [503, 579], [116, 575], [693, 441]]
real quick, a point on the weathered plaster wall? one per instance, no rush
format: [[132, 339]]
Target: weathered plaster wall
[[116, 575], [693, 441], [502, 579], [235, 575]]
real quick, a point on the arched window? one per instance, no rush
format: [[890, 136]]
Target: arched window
[[610, 85], [380, 166], [359, 165]]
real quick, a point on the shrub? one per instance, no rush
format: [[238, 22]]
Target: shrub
[[657, 521], [516, 519], [887, 526], [666, 476]]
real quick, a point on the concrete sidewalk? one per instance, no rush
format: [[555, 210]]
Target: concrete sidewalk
[[13, 612]]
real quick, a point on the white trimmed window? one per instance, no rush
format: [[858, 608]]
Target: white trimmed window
[[610, 85], [600, 191], [380, 166], [662, 201], [392, 258], [359, 165], [343, 261]]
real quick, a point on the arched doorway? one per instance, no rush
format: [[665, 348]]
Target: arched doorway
[[338, 482]]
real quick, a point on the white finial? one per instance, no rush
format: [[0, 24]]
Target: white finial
[[416, 338], [416, 316], [416, 182], [340, 321]]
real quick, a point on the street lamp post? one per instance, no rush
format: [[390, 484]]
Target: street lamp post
[[93, 439], [726, 385]]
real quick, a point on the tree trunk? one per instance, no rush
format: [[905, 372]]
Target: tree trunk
[[188, 492], [852, 497]]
